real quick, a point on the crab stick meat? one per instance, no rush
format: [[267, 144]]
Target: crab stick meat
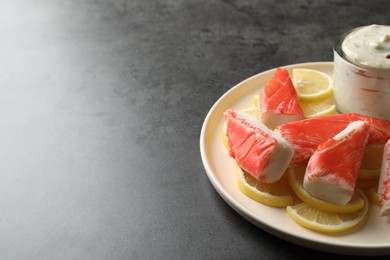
[[256, 149], [384, 181], [278, 101], [332, 170], [306, 135]]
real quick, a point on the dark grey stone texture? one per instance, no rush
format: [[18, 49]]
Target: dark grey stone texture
[[101, 108]]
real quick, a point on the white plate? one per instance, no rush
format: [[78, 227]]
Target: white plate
[[372, 239]]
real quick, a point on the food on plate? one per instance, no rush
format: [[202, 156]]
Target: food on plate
[[255, 101], [256, 149], [372, 195], [312, 85], [295, 178], [332, 170], [278, 101], [314, 89], [372, 174], [306, 135], [384, 181], [365, 184], [372, 162], [328, 222], [252, 111], [323, 166], [320, 108], [369, 187], [275, 194], [362, 71], [373, 155]]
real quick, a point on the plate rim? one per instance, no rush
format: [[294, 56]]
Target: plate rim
[[249, 215]]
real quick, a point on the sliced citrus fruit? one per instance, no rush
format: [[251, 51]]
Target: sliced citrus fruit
[[255, 100], [295, 177], [372, 196], [320, 108], [312, 85], [276, 194], [224, 136], [371, 162], [327, 222], [253, 111]]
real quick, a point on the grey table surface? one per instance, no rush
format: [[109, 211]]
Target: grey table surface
[[101, 109]]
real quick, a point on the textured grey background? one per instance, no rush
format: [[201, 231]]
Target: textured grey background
[[101, 108]]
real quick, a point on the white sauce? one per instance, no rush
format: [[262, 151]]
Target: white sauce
[[362, 72], [369, 46]]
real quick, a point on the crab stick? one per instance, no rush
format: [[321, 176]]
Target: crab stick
[[384, 181], [278, 101], [306, 135], [332, 170], [259, 151]]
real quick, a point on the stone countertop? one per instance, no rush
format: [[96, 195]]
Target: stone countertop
[[101, 107]]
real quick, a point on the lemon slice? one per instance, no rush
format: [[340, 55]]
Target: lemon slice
[[312, 85], [253, 111], [224, 136], [275, 194], [320, 108], [295, 178], [372, 196], [327, 222], [255, 100], [372, 162], [370, 187]]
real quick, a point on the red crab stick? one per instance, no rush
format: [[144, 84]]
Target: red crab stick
[[256, 149], [278, 101], [332, 170], [384, 181], [306, 135]]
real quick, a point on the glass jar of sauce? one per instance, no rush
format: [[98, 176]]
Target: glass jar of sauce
[[362, 71]]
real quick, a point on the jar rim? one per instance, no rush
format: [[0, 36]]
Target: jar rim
[[337, 47]]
